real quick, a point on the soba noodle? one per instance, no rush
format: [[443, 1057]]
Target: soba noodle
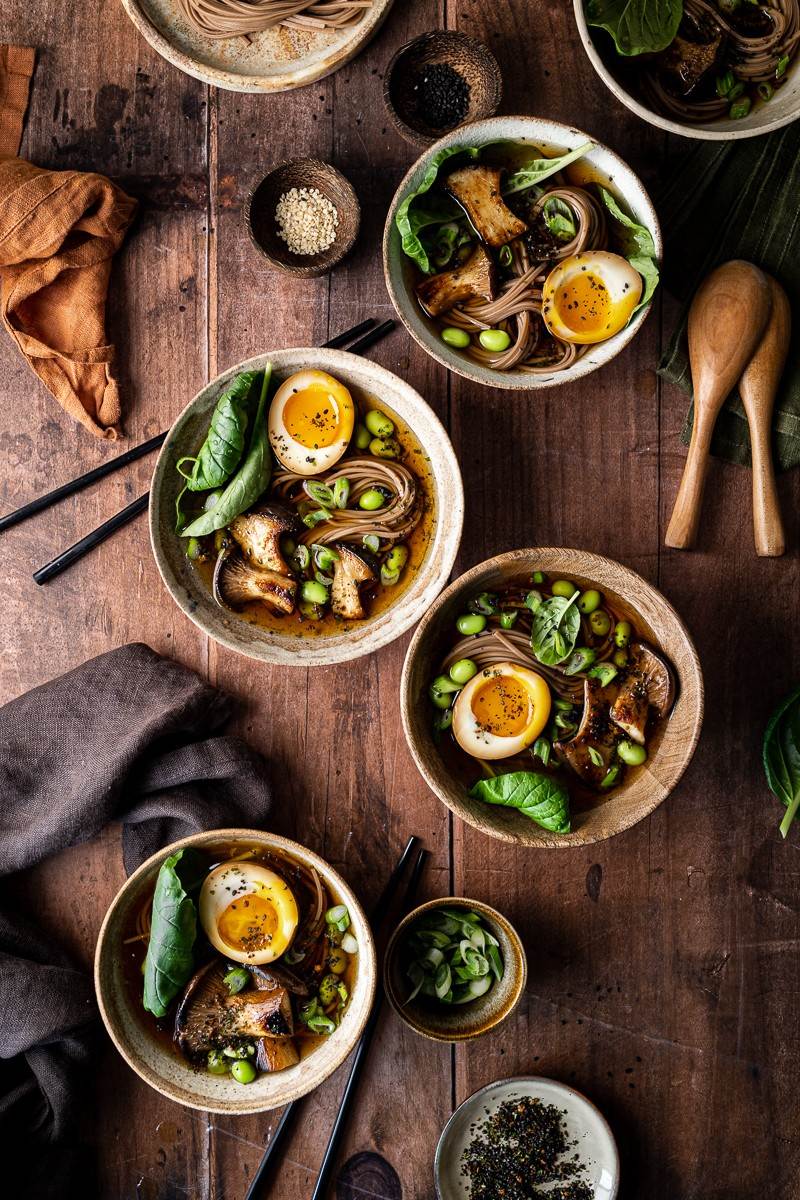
[[237, 18], [392, 523]]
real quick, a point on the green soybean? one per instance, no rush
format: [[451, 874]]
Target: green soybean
[[456, 337], [495, 340], [243, 1071], [216, 1063], [314, 592], [193, 548], [387, 447], [631, 754], [622, 633], [471, 623], [600, 623], [589, 601], [620, 658], [442, 690], [563, 587], [397, 558], [362, 437], [328, 990], [371, 500], [538, 577], [462, 671], [378, 424]]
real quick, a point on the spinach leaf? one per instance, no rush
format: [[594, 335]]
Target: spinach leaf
[[250, 481], [541, 797], [170, 961], [637, 245], [414, 215], [637, 26], [222, 450], [556, 625], [781, 756], [559, 219], [533, 172]]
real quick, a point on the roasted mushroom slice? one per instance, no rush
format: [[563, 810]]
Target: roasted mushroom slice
[[208, 1017], [236, 582], [685, 63], [648, 683], [276, 1054], [477, 190], [268, 978], [590, 752], [259, 533], [474, 279], [350, 571]]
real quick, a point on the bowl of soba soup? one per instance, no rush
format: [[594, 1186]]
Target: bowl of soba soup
[[306, 507], [551, 697], [235, 971], [521, 253], [711, 69]]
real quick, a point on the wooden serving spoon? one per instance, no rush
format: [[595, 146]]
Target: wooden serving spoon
[[757, 387], [728, 315]]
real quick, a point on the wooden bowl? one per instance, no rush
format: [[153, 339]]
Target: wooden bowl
[[459, 1022], [164, 1069], [259, 215], [473, 61], [670, 753], [364, 379]]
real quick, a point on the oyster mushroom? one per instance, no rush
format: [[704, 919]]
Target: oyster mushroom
[[477, 190], [237, 582], [208, 1017], [350, 571], [648, 683], [590, 752], [258, 533], [474, 279], [276, 1054], [271, 977]]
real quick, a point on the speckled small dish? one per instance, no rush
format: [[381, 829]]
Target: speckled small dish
[[586, 1126], [461, 1022]]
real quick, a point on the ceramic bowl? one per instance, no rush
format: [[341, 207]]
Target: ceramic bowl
[[363, 378], [604, 167], [458, 1023], [670, 753], [165, 1070], [587, 1131], [473, 61], [782, 109]]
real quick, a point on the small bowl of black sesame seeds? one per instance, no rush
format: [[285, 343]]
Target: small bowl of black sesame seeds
[[438, 82]]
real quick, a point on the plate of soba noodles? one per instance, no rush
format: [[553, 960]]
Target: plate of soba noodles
[[709, 69], [234, 971], [551, 697], [521, 253], [258, 45], [306, 507]]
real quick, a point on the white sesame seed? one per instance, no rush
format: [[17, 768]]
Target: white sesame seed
[[307, 220]]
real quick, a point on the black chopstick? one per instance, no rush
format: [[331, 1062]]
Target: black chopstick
[[371, 338], [359, 1058], [342, 339], [67, 557], [378, 913]]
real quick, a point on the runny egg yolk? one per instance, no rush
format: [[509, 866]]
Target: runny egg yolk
[[247, 911], [502, 705], [248, 924], [501, 711], [310, 422], [590, 297], [584, 303], [312, 417]]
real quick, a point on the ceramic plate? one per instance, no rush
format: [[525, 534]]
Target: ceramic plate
[[586, 1126]]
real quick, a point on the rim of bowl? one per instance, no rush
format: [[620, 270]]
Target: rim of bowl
[[492, 914], [534, 1079], [592, 562], [548, 130], [440, 555], [698, 132], [369, 968]]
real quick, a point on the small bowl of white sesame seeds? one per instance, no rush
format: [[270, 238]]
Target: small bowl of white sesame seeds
[[303, 217]]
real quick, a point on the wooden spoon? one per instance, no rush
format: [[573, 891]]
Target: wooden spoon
[[757, 388], [729, 313]]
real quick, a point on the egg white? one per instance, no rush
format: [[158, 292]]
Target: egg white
[[620, 280], [233, 882], [292, 453], [478, 741]]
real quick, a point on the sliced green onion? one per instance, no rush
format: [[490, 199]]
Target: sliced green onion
[[302, 556], [486, 604], [724, 84], [389, 578], [341, 493], [507, 619], [317, 517], [236, 980], [538, 577], [595, 756], [766, 91], [533, 600], [320, 492], [451, 957], [542, 749], [605, 672], [505, 256], [324, 556], [736, 91], [739, 108], [780, 69], [339, 917], [372, 542], [349, 944], [193, 548]]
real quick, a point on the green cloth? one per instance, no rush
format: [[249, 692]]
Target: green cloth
[[736, 200]]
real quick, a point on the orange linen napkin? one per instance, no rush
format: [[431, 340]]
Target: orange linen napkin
[[58, 233]]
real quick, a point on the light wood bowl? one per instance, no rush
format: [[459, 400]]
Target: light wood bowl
[[670, 753], [165, 1070], [473, 61]]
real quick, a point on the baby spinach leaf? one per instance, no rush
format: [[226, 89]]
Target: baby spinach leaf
[[556, 625], [541, 797], [636, 243], [781, 756], [414, 215], [251, 479], [559, 219], [637, 26], [533, 172], [170, 960]]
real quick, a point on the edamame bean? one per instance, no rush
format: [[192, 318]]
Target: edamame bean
[[388, 447], [622, 633], [193, 548], [600, 623], [216, 1063], [328, 990], [589, 601], [471, 623], [378, 424], [631, 754], [563, 587], [314, 592], [620, 658], [538, 577], [362, 437], [243, 1071], [495, 340], [337, 961], [462, 671], [397, 558], [443, 685], [371, 500], [456, 337]]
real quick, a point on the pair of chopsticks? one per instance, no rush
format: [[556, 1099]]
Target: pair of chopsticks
[[366, 334], [362, 1049]]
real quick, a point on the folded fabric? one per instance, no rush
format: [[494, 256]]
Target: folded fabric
[[128, 736], [736, 200], [58, 233]]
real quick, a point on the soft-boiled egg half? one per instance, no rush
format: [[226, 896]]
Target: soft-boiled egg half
[[248, 912], [590, 297], [310, 422], [501, 711]]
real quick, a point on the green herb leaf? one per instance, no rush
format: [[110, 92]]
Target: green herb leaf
[[637, 26], [556, 625], [541, 797], [559, 219], [414, 215], [781, 756], [169, 962], [636, 244], [539, 169]]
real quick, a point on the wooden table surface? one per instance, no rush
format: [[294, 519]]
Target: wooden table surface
[[664, 965]]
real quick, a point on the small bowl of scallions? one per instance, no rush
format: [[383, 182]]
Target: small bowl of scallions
[[454, 969]]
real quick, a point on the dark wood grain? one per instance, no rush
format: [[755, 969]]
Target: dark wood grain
[[664, 964]]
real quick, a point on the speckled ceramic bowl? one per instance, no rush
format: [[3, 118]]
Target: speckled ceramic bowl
[[186, 587], [166, 1071], [458, 1023]]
